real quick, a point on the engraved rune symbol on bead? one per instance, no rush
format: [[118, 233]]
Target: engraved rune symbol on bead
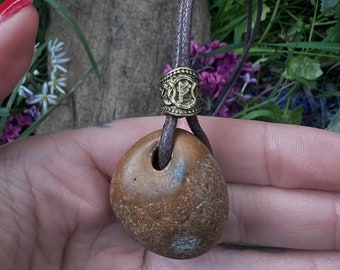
[[182, 93], [182, 90]]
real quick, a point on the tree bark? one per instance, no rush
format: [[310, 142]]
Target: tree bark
[[136, 40]]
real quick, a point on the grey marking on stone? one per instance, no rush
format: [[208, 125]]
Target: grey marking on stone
[[185, 243], [178, 173]]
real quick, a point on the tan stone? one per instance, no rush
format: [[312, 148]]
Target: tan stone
[[178, 212]]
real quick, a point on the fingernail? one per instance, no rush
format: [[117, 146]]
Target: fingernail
[[10, 7]]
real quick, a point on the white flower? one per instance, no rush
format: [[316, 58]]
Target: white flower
[[23, 90], [57, 57], [57, 62], [55, 46], [44, 98], [57, 83], [36, 46]]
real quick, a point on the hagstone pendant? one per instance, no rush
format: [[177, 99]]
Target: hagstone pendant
[[178, 212]]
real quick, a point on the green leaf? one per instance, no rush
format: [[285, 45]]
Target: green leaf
[[271, 112], [328, 4], [4, 112], [276, 110], [292, 76], [265, 10], [239, 30], [295, 28], [327, 94], [293, 116], [334, 125], [322, 46], [304, 70], [306, 67], [258, 114]]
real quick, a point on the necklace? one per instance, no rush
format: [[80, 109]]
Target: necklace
[[167, 189]]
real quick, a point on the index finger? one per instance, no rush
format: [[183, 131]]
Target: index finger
[[249, 152], [278, 155]]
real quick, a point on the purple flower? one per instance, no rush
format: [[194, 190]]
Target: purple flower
[[167, 69], [211, 83], [224, 112], [11, 132], [248, 67], [214, 46], [195, 51], [33, 111], [16, 123], [247, 79], [24, 120], [193, 48], [226, 65]]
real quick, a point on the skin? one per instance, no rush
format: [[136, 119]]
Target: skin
[[283, 182], [17, 48]]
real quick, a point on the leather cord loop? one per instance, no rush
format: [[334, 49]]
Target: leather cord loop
[[181, 58]]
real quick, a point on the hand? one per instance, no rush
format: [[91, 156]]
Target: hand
[[283, 184]]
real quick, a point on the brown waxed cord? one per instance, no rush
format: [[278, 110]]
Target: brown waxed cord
[[180, 58], [181, 52], [166, 141], [198, 131]]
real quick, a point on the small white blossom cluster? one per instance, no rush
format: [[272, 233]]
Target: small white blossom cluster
[[37, 91], [45, 93]]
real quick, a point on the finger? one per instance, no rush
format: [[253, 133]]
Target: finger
[[16, 48], [296, 219], [286, 156], [106, 143], [226, 259], [248, 152]]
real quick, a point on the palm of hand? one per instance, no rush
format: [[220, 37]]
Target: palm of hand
[[56, 197], [60, 212]]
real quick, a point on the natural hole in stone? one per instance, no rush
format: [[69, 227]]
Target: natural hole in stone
[[155, 160]]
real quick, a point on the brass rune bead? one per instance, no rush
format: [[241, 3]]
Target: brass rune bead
[[181, 92], [178, 212]]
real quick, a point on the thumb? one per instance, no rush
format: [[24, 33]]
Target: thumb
[[17, 40]]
